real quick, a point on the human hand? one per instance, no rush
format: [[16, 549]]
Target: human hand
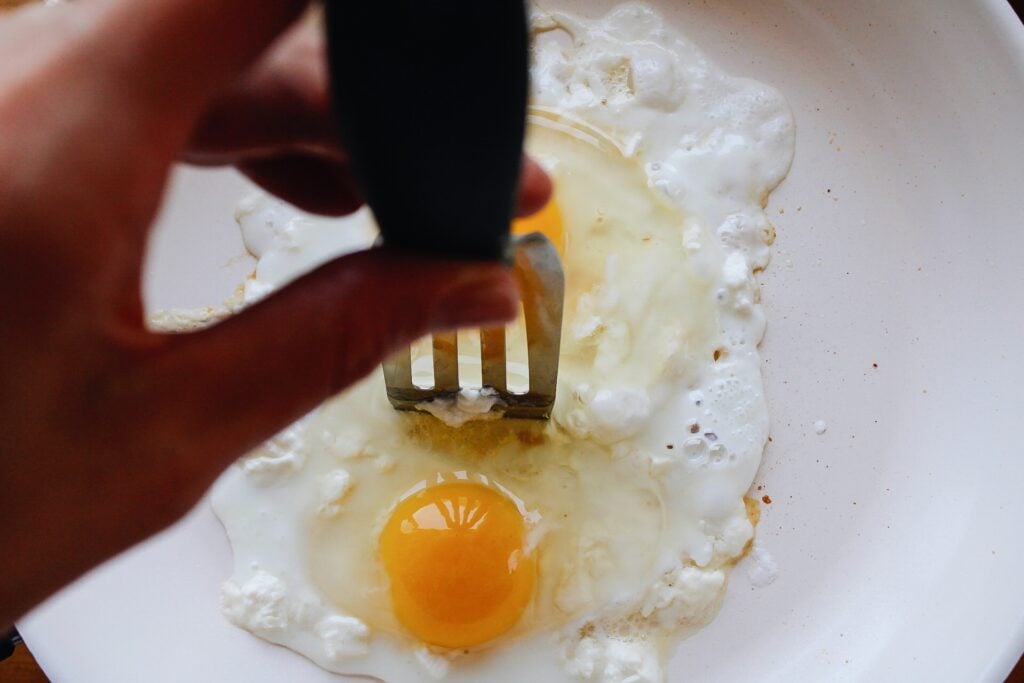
[[111, 431]]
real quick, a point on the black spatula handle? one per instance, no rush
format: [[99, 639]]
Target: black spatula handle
[[431, 96]]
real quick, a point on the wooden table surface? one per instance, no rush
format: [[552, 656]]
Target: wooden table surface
[[22, 668]]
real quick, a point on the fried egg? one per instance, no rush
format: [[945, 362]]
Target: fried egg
[[445, 545]]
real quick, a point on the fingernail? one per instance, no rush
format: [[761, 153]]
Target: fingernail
[[489, 300]]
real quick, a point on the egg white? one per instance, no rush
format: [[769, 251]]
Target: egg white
[[634, 490]]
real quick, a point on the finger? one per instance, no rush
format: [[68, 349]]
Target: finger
[[109, 90], [314, 184], [172, 56], [222, 391], [325, 186], [534, 188], [281, 104]]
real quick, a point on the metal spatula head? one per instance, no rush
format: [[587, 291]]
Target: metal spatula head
[[542, 284]]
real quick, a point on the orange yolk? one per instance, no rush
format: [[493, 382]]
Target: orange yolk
[[548, 221], [455, 556]]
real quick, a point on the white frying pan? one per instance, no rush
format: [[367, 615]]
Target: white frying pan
[[898, 531]]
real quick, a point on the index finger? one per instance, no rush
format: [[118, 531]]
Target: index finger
[[174, 55]]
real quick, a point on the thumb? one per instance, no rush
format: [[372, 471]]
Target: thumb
[[222, 391]]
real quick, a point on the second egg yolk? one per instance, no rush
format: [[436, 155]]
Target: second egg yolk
[[456, 559], [547, 221]]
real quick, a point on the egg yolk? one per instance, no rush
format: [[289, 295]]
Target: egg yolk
[[547, 221], [455, 556]]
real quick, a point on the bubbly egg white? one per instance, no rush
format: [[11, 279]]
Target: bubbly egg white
[[634, 491]]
